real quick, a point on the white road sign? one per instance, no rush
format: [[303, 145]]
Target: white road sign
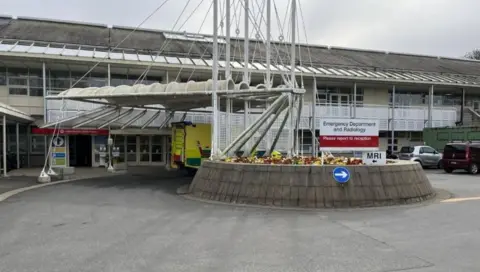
[[58, 141], [372, 158]]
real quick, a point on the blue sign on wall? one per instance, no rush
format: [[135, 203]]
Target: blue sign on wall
[[341, 174]]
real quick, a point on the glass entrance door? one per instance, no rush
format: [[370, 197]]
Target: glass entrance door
[[131, 149], [144, 149], [339, 99], [100, 150]]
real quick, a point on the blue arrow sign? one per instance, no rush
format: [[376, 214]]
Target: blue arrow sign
[[341, 174]]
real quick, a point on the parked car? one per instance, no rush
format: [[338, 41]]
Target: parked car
[[461, 155], [425, 155]]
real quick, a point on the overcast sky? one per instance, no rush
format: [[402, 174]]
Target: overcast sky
[[434, 27]]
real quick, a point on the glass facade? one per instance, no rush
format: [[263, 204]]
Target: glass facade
[[339, 96], [421, 98], [141, 150]]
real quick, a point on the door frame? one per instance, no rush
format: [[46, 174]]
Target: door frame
[[138, 161], [339, 96]]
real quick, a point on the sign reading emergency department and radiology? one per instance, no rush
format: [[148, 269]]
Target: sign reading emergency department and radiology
[[348, 135]]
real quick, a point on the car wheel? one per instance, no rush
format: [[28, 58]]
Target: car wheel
[[448, 170], [440, 164], [473, 169]]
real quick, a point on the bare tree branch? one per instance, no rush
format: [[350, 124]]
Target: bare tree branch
[[474, 54]]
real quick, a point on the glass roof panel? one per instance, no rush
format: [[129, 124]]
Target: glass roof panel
[[259, 66], [54, 50], [130, 55], [172, 60], [315, 70], [159, 59], [363, 73], [70, 52], [186, 61], [290, 68], [418, 77], [381, 74], [250, 66], [37, 49], [116, 55], [273, 67], [236, 64], [325, 71], [344, 72], [334, 71], [353, 72], [100, 54], [281, 67], [209, 62], [440, 78], [462, 80], [390, 75], [304, 69], [85, 53], [210, 40], [199, 62], [144, 57], [399, 75], [21, 48], [372, 73], [5, 47], [222, 63]]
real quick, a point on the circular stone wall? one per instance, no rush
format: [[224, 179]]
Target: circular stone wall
[[311, 186]]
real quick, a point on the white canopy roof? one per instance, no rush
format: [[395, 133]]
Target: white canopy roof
[[173, 96]]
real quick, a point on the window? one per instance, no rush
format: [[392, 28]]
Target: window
[[58, 80], [37, 144], [407, 149], [427, 150], [18, 81], [18, 90], [119, 142], [35, 81], [157, 148], [395, 148], [455, 148]]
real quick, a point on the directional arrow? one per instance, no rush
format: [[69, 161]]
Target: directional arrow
[[58, 141], [342, 174]]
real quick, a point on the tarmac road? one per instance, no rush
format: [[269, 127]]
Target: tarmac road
[[138, 223]]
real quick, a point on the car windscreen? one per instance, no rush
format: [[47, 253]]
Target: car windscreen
[[407, 149], [454, 149]]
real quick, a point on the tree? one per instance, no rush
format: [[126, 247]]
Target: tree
[[474, 54]]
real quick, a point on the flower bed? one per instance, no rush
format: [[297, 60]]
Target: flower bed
[[298, 160]]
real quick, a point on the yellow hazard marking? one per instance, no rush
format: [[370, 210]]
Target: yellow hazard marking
[[451, 200]]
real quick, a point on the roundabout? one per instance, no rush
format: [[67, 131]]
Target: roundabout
[[312, 186]]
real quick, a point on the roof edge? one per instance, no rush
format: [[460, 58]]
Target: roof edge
[[159, 31], [26, 18]]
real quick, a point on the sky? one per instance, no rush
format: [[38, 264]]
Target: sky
[[432, 27]]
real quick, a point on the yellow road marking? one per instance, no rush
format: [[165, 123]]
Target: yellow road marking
[[451, 200]]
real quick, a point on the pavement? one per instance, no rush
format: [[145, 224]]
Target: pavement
[[26, 177], [137, 222]]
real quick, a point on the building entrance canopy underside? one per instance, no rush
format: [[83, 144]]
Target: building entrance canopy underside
[[15, 115], [127, 106]]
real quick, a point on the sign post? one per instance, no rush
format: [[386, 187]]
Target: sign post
[[59, 151], [349, 135]]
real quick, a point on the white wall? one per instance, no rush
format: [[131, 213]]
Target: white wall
[[32, 105]]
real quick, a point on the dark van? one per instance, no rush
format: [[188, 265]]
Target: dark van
[[461, 155]]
